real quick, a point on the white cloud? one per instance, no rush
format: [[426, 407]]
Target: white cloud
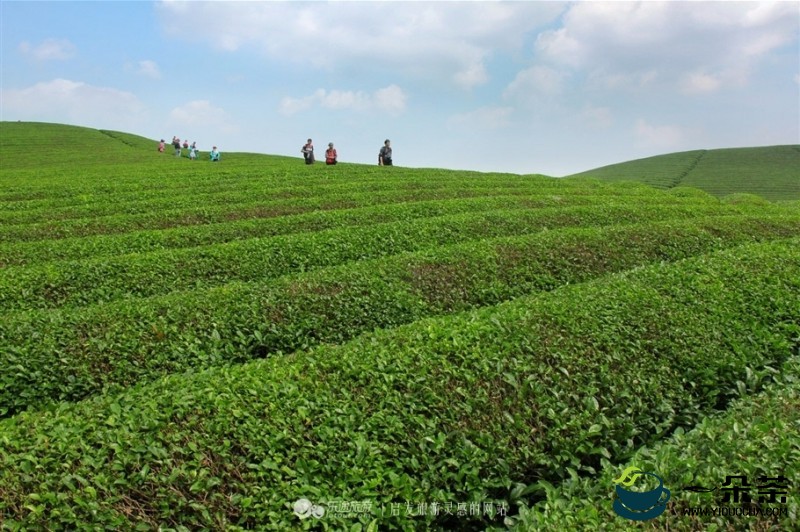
[[482, 119], [535, 81], [149, 69], [200, 114], [472, 75], [290, 106], [560, 46], [664, 137], [440, 41], [391, 99], [694, 46], [49, 49], [74, 102]]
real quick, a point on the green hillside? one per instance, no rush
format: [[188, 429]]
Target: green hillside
[[260, 344], [36, 145], [771, 172]]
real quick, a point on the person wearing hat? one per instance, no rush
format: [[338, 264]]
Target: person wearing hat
[[330, 154]]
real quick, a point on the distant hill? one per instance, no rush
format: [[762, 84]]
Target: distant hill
[[772, 172], [38, 144]]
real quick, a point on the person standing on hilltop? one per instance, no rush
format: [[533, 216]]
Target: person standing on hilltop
[[385, 155], [331, 157], [161, 146], [308, 152], [214, 155], [176, 143]]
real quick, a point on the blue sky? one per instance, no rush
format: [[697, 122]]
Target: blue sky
[[525, 87]]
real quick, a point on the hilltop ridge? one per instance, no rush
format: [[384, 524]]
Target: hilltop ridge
[[772, 172]]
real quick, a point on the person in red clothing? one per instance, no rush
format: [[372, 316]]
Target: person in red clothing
[[330, 154]]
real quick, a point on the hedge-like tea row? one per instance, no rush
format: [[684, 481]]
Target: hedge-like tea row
[[94, 202], [352, 196], [258, 220], [201, 214], [263, 194], [70, 354], [100, 200], [758, 436], [106, 279], [21, 253], [457, 409], [192, 211], [50, 189]]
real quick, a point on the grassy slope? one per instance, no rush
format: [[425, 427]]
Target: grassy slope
[[771, 172], [36, 145], [237, 444]]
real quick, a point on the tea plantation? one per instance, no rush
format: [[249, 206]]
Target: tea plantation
[[772, 172], [261, 344]]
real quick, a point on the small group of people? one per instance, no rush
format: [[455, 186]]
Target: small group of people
[[332, 157], [214, 155]]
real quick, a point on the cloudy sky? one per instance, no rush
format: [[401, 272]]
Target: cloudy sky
[[526, 87]]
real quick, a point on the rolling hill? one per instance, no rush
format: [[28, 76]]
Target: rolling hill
[[772, 172], [262, 344]]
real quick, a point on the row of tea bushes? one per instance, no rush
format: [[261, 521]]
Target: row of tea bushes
[[103, 279], [98, 199], [68, 354], [199, 213], [758, 436], [113, 217], [259, 220], [461, 408], [290, 196], [55, 188]]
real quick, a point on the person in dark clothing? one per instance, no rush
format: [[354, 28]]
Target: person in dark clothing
[[308, 152], [385, 155]]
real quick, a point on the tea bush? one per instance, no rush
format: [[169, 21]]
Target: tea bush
[[462, 408], [68, 354], [260, 220], [757, 436], [187, 345], [106, 279]]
